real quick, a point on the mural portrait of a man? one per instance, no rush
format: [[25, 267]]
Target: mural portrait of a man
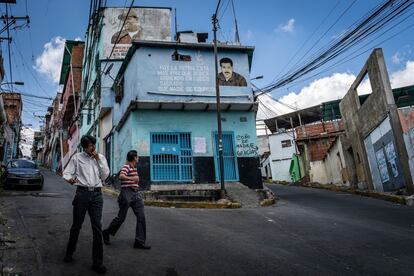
[[227, 77], [131, 30]]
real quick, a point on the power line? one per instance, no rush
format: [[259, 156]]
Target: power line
[[367, 26], [35, 96], [30, 70], [326, 32], [225, 9], [236, 35], [350, 57], [308, 39]]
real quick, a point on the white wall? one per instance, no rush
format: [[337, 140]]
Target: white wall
[[264, 164], [263, 144], [281, 156], [335, 164], [318, 172], [105, 128]]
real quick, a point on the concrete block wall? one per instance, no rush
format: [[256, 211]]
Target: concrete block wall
[[361, 120]]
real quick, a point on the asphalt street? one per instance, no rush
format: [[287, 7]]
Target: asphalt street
[[308, 232]]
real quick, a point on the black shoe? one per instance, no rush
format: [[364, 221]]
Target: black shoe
[[141, 246], [68, 259], [101, 269], [105, 236]]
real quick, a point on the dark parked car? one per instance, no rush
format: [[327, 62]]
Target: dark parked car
[[22, 172]]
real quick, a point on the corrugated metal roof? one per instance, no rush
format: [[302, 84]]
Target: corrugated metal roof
[[403, 96], [328, 111]]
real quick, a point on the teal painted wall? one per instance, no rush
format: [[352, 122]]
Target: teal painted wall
[[152, 75], [135, 133], [122, 143]]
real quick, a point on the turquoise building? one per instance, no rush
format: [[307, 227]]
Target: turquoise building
[[141, 90], [165, 108]]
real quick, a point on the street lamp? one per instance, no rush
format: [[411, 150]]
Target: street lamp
[[12, 83], [257, 78]]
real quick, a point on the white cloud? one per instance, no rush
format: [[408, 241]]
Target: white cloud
[[325, 89], [403, 77], [50, 61], [329, 88], [396, 58], [249, 35], [289, 27]]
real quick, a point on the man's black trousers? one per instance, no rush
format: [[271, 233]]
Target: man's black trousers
[[130, 198], [91, 202]]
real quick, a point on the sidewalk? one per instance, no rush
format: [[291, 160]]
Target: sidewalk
[[400, 199], [18, 251], [239, 196]]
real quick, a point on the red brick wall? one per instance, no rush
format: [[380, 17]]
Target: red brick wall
[[318, 129], [318, 148], [77, 57], [318, 137]]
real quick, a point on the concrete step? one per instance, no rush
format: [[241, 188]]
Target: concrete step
[[238, 192], [185, 198]]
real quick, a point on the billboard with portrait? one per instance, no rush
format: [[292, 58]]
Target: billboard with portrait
[[140, 24]]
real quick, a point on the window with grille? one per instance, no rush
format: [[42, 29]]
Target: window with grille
[[171, 157], [286, 143]]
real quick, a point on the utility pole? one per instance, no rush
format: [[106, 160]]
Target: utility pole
[[219, 130], [8, 21]]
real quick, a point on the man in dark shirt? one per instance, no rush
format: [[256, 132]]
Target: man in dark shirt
[[227, 77]]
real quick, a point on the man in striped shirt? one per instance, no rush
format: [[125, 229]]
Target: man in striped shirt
[[129, 197]]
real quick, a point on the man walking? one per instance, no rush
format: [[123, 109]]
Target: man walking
[[87, 170], [129, 197]]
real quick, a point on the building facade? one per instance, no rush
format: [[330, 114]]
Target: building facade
[[13, 108], [374, 136], [165, 109], [71, 79]]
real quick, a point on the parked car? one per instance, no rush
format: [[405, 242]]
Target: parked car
[[22, 172]]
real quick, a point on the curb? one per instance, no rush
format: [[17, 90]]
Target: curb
[[387, 197], [267, 202], [179, 204]]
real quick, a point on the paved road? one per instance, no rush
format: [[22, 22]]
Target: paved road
[[308, 232]]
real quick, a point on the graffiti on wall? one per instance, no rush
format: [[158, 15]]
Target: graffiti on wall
[[389, 157], [178, 78], [382, 165], [392, 158], [197, 77], [245, 147]]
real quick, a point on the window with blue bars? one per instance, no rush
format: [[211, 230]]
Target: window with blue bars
[[171, 157]]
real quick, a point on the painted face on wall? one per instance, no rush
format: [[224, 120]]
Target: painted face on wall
[[131, 24], [227, 70]]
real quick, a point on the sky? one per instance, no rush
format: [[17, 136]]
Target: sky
[[277, 29]]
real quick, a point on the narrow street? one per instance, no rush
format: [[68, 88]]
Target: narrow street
[[307, 232]]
